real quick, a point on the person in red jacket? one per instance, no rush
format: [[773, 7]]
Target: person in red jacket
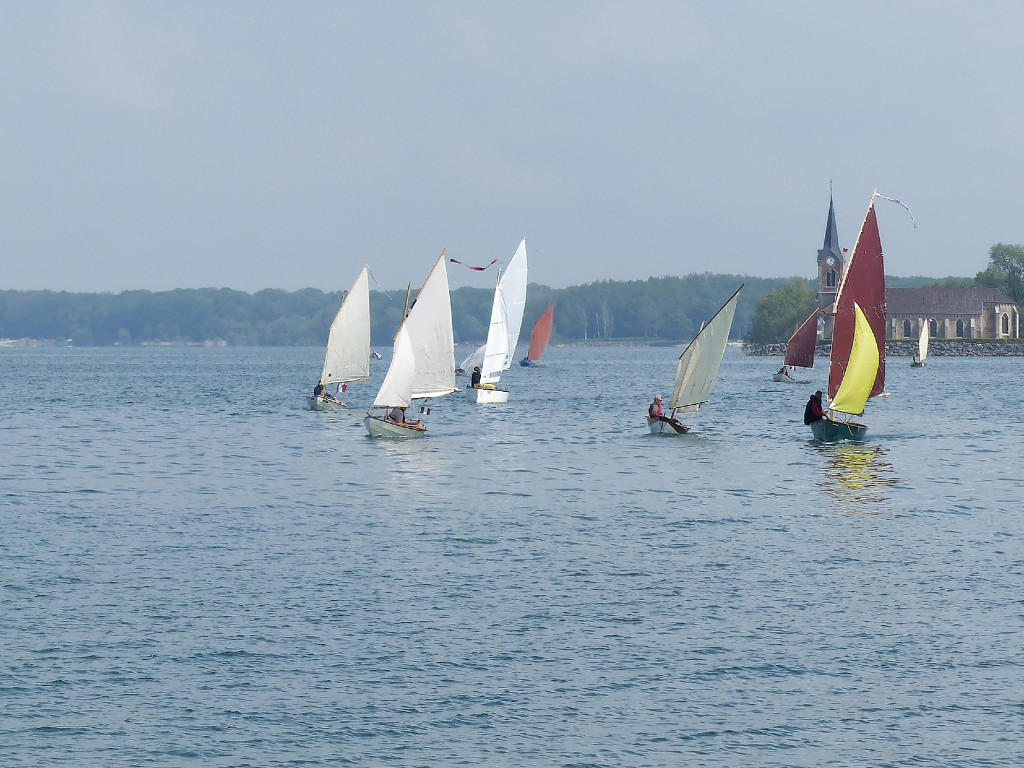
[[812, 411], [654, 411]]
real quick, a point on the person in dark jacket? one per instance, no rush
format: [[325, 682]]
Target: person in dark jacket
[[474, 380], [812, 411]]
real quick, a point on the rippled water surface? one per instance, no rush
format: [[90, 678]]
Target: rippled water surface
[[195, 570]]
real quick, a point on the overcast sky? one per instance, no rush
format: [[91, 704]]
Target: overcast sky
[[260, 145]]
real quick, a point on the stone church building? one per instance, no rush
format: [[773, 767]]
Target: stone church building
[[951, 313]]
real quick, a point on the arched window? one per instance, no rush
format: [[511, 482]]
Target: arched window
[[906, 329], [1006, 324], [959, 329], [932, 329], [830, 279]]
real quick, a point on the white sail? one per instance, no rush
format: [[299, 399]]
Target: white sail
[[424, 357], [698, 365], [348, 343], [396, 391], [477, 358], [922, 342], [506, 318]]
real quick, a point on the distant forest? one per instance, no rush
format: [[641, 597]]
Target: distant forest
[[664, 309]]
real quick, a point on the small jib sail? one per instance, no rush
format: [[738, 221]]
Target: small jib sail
[[861, 368], [423, 363], [540, 336], [863, 284], [698, 365], [348, 346]]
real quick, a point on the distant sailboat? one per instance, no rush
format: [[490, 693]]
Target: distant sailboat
[[423, 363], [698, 368], [922, 347], [348, 348], [540, 336], [503, 333], [857, 364], [800, 350]]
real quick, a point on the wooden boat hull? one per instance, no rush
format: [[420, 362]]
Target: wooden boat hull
[[828, 431], [486, 396], [321, 403], [378, 427], [659, 427]]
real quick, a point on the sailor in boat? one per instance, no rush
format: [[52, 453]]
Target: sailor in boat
[[321, 391], [654, 411], [812, 411], [474, 380], [784, 371]]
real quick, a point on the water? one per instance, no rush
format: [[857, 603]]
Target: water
[[195, 570]]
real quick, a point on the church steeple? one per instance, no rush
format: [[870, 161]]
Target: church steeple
[[831, 244], [830, 260], [830, 269]]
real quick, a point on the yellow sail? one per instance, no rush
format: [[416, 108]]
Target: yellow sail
[[862, 369]]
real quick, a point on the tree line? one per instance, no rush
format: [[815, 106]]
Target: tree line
[[666, 309], [656, 310]]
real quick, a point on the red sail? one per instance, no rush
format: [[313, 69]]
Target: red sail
[[864, 283], [800, 351], [541, 334]]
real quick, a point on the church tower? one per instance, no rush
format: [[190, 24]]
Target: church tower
[[830, 269]]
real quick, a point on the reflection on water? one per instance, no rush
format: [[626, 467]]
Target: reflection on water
[[857, 475]]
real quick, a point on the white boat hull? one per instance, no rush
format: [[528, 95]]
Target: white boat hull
[[659, 427], [321, 403], [481, 395], [378, 427], [783, 377]]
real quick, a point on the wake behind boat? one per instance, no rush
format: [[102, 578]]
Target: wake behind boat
[[423, 363], [697, 371], [348, 348]]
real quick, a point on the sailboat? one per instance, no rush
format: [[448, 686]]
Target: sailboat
[[539, 337], [503, 333], [697, 369], [423, 363], [922, 347], [348, 348], [800, 349], [858, 337], [855, 387]]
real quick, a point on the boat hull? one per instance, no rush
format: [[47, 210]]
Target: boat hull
[[378, 427], [917, 365], [659, 427], [320, 403], [828, 431], [783, 377], [486, 396]]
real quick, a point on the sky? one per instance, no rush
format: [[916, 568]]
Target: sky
[[252, 145]]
